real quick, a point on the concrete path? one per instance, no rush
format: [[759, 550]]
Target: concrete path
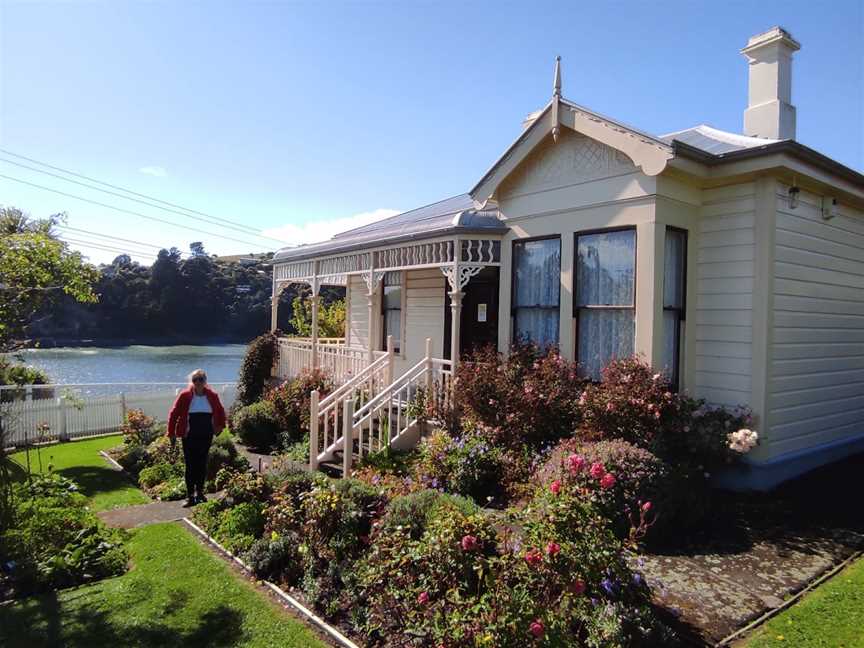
[[761, 550], [130, 517]]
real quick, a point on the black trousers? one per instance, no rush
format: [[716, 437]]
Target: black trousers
[[196, 447]]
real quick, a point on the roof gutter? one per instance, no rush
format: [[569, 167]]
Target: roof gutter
[[789, 147]]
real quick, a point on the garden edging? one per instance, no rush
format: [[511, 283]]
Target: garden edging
[[337, 636]]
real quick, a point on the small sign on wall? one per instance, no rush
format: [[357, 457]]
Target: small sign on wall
[[481, 312]]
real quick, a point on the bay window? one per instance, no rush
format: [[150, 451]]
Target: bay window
[[605, 304], [536, 291], [674, 290]]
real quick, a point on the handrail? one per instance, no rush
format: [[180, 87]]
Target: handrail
[[349, 386], [387, 391]]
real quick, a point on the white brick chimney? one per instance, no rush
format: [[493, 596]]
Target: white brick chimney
[[770, 112]]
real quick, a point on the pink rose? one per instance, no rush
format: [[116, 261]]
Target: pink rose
[[537, 628], [610, 407], [553, 548], [423, 598], [533, 557], [555, 487], [469, 543], [607, 481], [646, 507], [597, 470], [575, 464], [578, 586]]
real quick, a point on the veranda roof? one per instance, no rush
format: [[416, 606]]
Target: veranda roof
[[456, 215]]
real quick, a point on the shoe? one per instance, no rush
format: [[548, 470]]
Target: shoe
[[200, 499], [190, 502]]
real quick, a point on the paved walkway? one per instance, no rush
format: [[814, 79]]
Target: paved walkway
[[761, 549], [135, 516]]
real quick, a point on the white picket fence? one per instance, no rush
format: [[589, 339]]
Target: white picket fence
[[35, 413]]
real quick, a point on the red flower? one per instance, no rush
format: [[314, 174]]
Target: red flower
[[646, 507], [423, 598], [537, 628], [469, 543], [597, 470], [553, 548], [608, 481], [578, 586], [533, 557], [575, 464], [555, 487]]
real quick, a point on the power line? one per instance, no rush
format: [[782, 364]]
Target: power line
[[129, 211], [108, 248], [129, 191], [114, 238], [245, 229]]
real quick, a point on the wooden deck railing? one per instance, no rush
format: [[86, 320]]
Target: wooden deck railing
[[342, 362]]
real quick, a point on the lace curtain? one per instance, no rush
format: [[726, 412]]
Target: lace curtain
[[605, 287], [537, 291]]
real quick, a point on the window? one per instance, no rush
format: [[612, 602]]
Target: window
[[605, 304], [391, 309], [674, 290], [536, 290]]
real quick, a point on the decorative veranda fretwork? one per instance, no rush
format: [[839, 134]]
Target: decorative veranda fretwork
[[372, 279], [459, 276], [481, 251], [333, 270]]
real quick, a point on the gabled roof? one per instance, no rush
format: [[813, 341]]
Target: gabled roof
[[646, 151], [456, 215]]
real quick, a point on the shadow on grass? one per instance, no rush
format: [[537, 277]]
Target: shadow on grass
[[95, 480], [46, 621]]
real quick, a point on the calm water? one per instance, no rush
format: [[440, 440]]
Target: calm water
[[137, 363]]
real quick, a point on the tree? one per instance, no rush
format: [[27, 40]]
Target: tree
[[197, 249], [331, 318], [36, 268]]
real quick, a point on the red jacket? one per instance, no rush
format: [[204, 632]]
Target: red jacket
[[178, 415]]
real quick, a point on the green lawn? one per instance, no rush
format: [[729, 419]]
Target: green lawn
[[831, 615], [177, 594], [81, 462]]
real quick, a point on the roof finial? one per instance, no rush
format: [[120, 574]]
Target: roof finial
[[556, 87]]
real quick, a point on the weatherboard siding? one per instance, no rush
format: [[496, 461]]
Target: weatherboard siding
[[358, 312], [816, 378], [725, 271], [424, 313]]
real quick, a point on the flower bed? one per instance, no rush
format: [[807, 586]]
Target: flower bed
[[431, 569], [54, 540], [148, 455]]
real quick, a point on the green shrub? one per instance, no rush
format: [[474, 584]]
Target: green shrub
[[56, 541], [468, 466], [224, 454], [276, 559], [170, 490], [291, 402], [243, 486], [158, 473], [208, 515], [138, 428], [163, 451], [639, 477], [255, 425], [134, 458], [412, 512], [240, 526], [256, 369]]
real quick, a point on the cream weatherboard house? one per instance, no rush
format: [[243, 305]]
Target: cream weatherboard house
[[735, 262]]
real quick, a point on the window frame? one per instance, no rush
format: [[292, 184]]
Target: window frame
[[397, 341], [576, 307], [675, 378], [513, 307]]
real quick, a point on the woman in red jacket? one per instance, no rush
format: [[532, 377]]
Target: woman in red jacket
[[196, 416]]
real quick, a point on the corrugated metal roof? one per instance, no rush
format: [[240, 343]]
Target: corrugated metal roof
[[715, 141], [453, 215]]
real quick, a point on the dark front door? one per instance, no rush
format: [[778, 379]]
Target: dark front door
[[479, 324]]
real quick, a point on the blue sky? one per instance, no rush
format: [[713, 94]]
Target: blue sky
[[297, 117]]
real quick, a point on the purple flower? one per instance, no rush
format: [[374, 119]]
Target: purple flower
[[608, 586]]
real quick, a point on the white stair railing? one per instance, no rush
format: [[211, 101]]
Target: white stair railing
[[386, 419], [325, 415], [340, 361]]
